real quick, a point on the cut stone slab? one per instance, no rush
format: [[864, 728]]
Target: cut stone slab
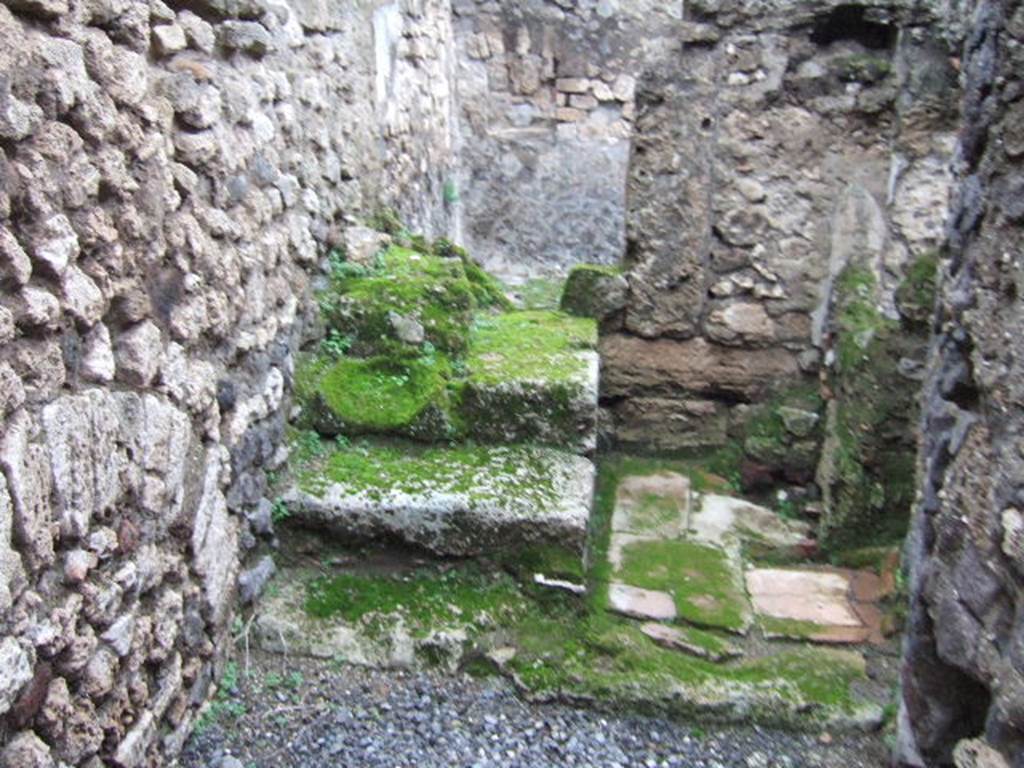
[[657, 505], [645, 604], [533, 377], [682, 640], [820, 598], [727, 522], [466, 500], [829, 606], [705, 581]]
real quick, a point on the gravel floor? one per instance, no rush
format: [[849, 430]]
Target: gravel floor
[[286, 713]]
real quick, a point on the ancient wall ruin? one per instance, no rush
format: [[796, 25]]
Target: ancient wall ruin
[[172, 175], [771, 152], [545, 95], [963, 674], [170, 178]]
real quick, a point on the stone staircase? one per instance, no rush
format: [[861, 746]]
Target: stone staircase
[[436, 414]]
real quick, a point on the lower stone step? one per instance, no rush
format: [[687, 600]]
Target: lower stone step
[[464, 500]]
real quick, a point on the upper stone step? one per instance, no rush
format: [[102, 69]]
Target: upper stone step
[[464, 500], [417, 348], [532, 377]]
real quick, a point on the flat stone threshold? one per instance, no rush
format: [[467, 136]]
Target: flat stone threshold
[[463, 500]]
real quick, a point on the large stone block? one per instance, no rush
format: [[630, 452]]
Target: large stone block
[[215, 540], [29, 481], [690, 369], [669, 424], [138, 353], [26, 750], [461, 501], [15, 670], [10, 563], [81, 434]]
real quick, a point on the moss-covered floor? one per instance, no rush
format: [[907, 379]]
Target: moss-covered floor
[[489, 616]]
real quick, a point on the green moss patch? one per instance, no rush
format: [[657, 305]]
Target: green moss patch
[[487, 291], [593, 290], [859, 320], [552, 560], [702, 579], [653, 512], [868, 465], [428, 598], [529, 346], [609, 658], [773, 626], [915, 296], [377, 395], [511, 474]]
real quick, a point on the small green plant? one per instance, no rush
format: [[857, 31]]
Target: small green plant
[[335, 344], [342, 442], [336, 258], [225, 704], [345, 270], [308, 445], [273, 680], [279, 511], [294, 680], [326, 302]]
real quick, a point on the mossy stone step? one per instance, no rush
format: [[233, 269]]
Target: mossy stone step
[[447, 616], [464, 500], [532, 377], [528, 377], [354, 396]]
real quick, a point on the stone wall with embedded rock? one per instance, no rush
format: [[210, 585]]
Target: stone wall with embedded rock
[[963, 663], [545, 117], [777, 145], [170, 177]]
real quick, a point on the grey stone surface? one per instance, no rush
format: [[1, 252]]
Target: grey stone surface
[[643, 604], [15, 670], [10, 563], [26, 750], [252, 581], [544, 128], [961, 676], [506, 497], [138, 353]]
